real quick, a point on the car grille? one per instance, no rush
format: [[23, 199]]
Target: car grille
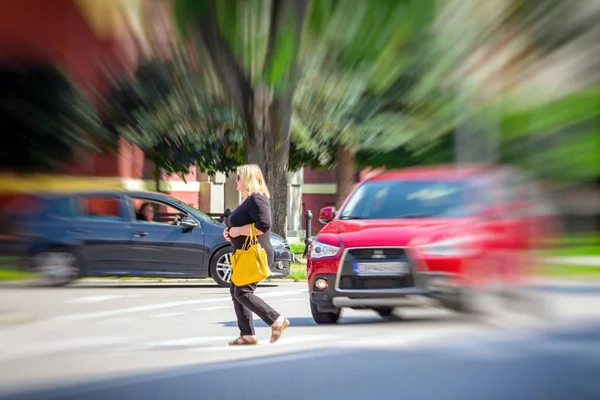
[[350, 281], [375, 282], [367, 254]]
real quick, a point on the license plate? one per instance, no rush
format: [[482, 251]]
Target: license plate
[[381, 268]]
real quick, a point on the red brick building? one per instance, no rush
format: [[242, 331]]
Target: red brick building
[[83, 38]]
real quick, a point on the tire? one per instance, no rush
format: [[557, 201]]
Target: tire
[[384, 312], [57, 268], [324, 318], [220, 267]]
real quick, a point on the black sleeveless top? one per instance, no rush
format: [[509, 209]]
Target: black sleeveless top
[[255, 209]]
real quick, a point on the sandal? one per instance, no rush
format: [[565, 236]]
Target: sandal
[[242, 341], [277, 331]]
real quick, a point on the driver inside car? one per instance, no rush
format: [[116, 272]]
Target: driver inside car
[[146, 214]]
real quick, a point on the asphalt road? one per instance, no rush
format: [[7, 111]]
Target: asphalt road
[[155, 341]]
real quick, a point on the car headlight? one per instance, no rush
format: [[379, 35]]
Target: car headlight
[[456, 247], [320, 250]]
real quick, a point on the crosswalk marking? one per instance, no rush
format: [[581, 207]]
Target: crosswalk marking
[[118, 320], [214, 308], [469, 342], [158, 306], [164, 315], [97, 299]]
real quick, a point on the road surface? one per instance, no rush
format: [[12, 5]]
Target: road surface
[[131, 341]]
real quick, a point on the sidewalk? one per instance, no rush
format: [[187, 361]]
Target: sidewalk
[[590, 261]]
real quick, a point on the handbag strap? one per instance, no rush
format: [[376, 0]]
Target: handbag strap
[[252, 239]]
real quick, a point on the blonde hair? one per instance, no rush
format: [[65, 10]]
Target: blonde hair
[[254, 180]]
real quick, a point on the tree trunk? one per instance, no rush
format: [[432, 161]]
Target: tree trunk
[[267, 109], [345, 175], [269, 147], [157, 178]]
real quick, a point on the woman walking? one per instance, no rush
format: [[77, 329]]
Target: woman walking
[[255, 208]]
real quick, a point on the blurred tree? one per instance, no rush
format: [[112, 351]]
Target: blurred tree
[[168, 111], [253, 49], [47, 118], [356, 92]]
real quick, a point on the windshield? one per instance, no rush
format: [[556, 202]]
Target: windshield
[[190, 208], [406, 199]]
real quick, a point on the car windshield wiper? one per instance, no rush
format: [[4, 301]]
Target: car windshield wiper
[[423, 215], [352, 217]]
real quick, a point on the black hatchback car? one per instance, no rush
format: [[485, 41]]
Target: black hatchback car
[[101, 233]]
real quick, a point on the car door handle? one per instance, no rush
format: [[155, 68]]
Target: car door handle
[[82, 231], [141, 234]]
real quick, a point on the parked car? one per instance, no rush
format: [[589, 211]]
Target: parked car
[[84, 234], [419, 236]]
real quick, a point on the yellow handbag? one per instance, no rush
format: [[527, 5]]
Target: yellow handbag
[[250, 263]]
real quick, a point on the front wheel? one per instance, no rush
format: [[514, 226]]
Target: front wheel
[[56, 268], [221, 267], [324, 318]]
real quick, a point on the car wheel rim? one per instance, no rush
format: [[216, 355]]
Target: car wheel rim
[[224, 269], [56, 267]]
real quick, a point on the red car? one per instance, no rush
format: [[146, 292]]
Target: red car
[[425, 235]]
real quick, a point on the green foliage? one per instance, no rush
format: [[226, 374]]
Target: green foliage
[[297, 248], [438, 151], [174, 115], [187, 11], [47, 118], [284, 56], [361, 65], [558, 140]]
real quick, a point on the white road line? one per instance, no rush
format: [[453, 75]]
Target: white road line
[[213, 308], [118, 320], [178, 343], [95, 299], [264, 343], [293, 300], [164, 315], [305, 339], [159, 306], [200, 343]]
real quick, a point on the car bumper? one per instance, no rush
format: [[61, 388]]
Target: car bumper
[[429, 294], [281, 267]]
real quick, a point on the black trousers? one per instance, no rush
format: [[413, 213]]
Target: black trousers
[[245, 302]]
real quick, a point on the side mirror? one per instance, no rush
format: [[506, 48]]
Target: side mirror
[[326, 215], [188, 223]]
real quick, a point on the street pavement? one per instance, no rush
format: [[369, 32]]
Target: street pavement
[[126, 340]]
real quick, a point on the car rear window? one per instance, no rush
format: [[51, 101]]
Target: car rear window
[[101, 208], [15, 211], [406, 199]]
